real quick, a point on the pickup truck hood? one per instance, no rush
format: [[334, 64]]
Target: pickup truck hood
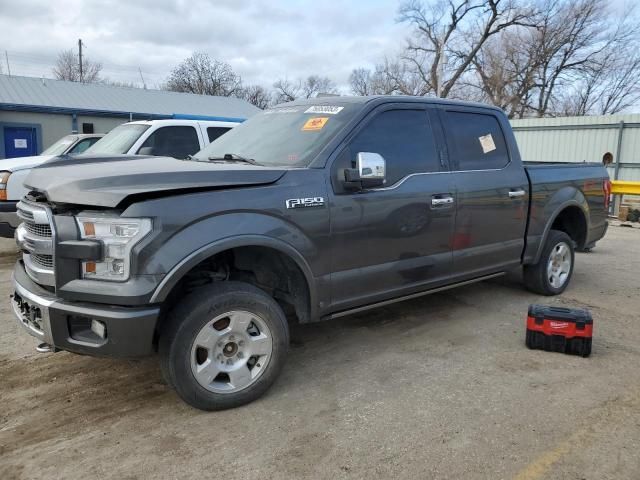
[[107, 180], [20, 163]]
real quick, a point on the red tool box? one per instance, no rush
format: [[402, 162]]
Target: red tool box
[[557, 329]]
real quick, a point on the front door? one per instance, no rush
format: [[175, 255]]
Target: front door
[[492, 194], [20, 142], [395, 240]]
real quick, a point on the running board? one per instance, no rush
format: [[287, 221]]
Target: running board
[[351, 311]]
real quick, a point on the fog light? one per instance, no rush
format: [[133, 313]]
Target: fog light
[[99, 328]]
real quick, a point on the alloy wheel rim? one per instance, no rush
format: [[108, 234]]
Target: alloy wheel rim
[[231, 351], [559, 265]]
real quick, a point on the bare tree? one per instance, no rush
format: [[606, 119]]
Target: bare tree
[[287, 90], [608, 87], [68, 68], [256, 95], [362, 83], [608, 82], [575, 60], [570, 37], [392, 77], [315, 84], [205, 76], [448, 35], [506, 69], [119, 83]]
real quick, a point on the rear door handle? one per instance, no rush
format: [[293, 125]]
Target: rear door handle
[[517, 193], [441, 200]]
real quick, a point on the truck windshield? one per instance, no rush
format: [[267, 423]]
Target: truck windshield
[[283, 136], [60, 146], [119, 140]]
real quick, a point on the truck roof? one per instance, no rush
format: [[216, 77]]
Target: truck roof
[[333, 100], [180, 121]]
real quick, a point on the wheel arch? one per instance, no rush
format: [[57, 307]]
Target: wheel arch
[[569, 217], [195, 258]]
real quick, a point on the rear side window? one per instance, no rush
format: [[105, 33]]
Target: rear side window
[[405, 140], [178, 142], [215, 132], [476, 141]]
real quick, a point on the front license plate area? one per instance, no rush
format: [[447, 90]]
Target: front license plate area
[[30, 314]]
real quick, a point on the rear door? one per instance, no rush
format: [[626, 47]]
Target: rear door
[[394, 240], [492, 193]]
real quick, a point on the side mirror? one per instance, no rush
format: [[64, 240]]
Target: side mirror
[[370, 171], [146, 151]]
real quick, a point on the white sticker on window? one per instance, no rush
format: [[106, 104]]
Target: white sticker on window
[[20, 143], [487, 143], [329, 109]]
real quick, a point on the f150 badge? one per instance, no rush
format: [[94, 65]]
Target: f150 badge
[[305, 202]]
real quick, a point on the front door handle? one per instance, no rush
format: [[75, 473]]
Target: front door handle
[[442, 200], [517, 193]]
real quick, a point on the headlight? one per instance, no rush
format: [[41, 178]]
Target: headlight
[[118, 235], [4, 179]]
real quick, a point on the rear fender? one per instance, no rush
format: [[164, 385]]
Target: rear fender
[[561, 200]]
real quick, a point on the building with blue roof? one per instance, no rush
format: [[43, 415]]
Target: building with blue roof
[[36, 112]]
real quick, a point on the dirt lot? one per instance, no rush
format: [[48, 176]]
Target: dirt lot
[[440, 387]]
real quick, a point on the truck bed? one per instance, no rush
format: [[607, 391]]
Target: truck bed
[[554, 183]]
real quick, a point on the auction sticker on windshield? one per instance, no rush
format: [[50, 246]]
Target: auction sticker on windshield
[[316, 123], [326, 109]]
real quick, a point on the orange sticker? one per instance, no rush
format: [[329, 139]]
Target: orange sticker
[[316, 123]]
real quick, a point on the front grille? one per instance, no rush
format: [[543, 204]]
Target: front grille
[[38, 229], [35, 237], [24, 214], [45, 261]]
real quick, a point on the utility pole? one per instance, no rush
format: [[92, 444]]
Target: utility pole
[[144, 85], [6, 55], [80, 57]]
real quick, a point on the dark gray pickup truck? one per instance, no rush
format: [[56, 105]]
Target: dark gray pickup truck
[[310, 210]]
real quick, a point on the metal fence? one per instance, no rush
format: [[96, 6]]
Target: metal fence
[[583, 139]]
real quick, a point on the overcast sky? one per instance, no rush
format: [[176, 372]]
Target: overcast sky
[[262, 40]]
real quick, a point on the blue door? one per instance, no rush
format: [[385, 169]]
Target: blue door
[[20, 142]]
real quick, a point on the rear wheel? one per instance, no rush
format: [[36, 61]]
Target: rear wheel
[[224, 345], [552, 273]]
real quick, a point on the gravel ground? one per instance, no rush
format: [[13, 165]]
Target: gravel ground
[[440, 387]]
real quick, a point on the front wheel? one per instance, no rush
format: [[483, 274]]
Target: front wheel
[[224, 345], [552, 273]]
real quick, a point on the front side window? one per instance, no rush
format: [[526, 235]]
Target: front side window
[[178, 142], [82, 145], [476, 141], [404, 138], [119, 140]]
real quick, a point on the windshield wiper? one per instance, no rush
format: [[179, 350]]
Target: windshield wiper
[[232, 157]]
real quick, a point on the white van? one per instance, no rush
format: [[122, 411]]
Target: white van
[[167, 138]]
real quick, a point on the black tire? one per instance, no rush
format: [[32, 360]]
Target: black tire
[[188, 318], [535, 276]]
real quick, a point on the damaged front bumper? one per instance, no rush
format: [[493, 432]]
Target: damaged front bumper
[[71, 326]]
